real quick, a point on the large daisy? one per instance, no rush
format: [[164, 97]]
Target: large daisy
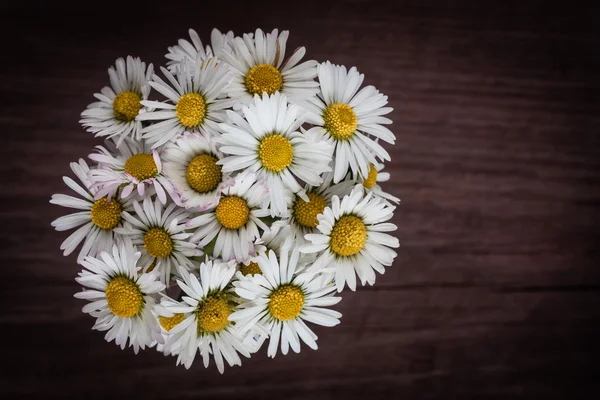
[[207, 304], [97, 219], [351, 238], [281, 299], [133, 166], [191, 165], [235, 221], [121, 298], [161, 234], [258, 64], [114, 116], [267, 142], [370, 182], [191, 104], [349, 118], [194, 52]]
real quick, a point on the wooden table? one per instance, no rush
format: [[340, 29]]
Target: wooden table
[[495, 292]]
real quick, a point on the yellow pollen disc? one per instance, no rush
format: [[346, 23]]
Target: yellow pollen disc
[[306, 213], [371, 179], [286, 302], [348, 235], [232, 212], [106, 215], [275, 153], [169, 323], [124, 297], [158, 243], [263, 78], [212, 314], [203, 174], [141, 166], [340, 120], [126, 106], [250, 269], [191, 110]]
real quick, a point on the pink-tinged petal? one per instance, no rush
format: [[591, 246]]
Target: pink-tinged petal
[[127, 190], [157, 160], [141, 188], [130, 177], [160, 192]]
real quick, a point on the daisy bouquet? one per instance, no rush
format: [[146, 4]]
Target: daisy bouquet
[[236, 193]]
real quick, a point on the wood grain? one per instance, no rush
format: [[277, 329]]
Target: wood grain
[[496, 290]]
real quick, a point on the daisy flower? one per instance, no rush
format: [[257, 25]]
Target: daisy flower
[[160, 233], [192, 101], [235, 221], [257, 63], [114, 116], [349, 119], [121, 297], [370, 182], [97, 220], [195, 52], [206, 306], [351, 238], [132, 166], [268, 142], [281, 299], [191, 165]]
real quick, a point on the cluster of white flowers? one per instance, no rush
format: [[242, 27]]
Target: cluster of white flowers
[[231, 210]]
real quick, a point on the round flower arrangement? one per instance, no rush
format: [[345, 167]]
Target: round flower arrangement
[[235, 195]]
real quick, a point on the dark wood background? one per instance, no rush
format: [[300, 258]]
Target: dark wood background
[[495, 292]]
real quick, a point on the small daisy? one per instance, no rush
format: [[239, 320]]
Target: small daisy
[[281, 299], [235, 221], [132, 166], [97, 220], [206, 306], [114, 116], [268, 142], [303, 216], [257, 63], [349, 119], [370, 182], [191, 165], [192, 101], [195, 52], [160, 233], [121, 298], [351, 238]]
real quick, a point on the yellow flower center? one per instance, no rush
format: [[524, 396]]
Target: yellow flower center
[[232, 212], [250, 269], [141, 166], [371, 179], [106, 215], [124, 297], [158, 243], [275, 153], [212, 314], [169, 323], [286, 302], [340, 120], [306, 213], [263, 78], [126, 106], [203, 174], [348, 235], [191, 110]]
